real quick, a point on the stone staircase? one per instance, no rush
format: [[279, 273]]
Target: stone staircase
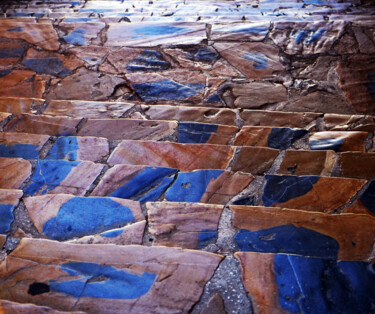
[[187, 156]]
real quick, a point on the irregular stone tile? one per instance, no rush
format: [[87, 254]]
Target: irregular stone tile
[[43, 62], [61, 176], [244, 31], [189, 132], [80, 34], [137, 278], [21, 145], [199, 114], [356, 79], [365, 38], [147, 34], [255, 60], [335, 122], [278, 138], [207, 186], [10, 52], [357, 165], [139, 183], [339, 141], [87, 109], [319, 70], [92, 55], [79, 148], [255, 160], [13, 172], [128, 235], [183, 224], [169, 86], [64, 217], [80, 86], [41, 34], [280, 119], [257, 94], [14, 307], [185, 157], [311, 193], [298, 162], [306, 37], [9, 200], [306, 284], [20, 105], [223, 68], [128, 129], [318, 101], [365, 203], [346, 45], [278, 230], [38, 124], [211, 94]]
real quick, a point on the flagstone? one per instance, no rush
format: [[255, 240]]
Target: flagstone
[[357, 165], [339, 141], [19, 105], [21, 145], [80, 34], [243, 31], [9, 200], [13, 172]]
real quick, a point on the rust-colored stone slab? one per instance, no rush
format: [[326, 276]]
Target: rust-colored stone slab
[[311, 193], [87, 109], [10, 52], [128, 235], [10, 197], [185, 225], [256, 94], [335, 122], [255, 160], [298, 162], [168, 279], [8, 307], [13, 172], [356, 77], [80, 86], [63, 217], [185, 157], [357, 165], [39, 34], [131, 129], [333, 235], [61, 176], [148, 34], [339, 141], [20, 105], [21, 145], [280, 119], [255, 60], [92, 55], [243, 31], [38, 124], [199, 114]]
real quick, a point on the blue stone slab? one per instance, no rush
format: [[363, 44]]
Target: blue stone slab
[[149, 60], [203, 55], [283, 138], [189, 132], [279, 189], [11, 53], [260, 60], [5, 72], [51, 66], [76, 37], [6, 217], [368, 197], [167, 90], [206, 237], [25, 151], [64, 147], [118, 284], [213, 98], [81, 216], [49, 174], [190, 186], [287, 239], [16, 29], [327, 144], [112, 233], [307, 36], [157, 30], [309, 285]]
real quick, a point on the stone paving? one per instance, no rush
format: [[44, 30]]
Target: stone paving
[[187, 156]]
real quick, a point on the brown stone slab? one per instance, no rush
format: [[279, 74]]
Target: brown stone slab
[[128, 235], [357, 165], [20, 105], [11, 139], [13, 172], [243, 31], [252, 136], [87, 109], [255, 160], [198, 114], [346, 229], [4, 116], [12, 51], [256, 94], [335, 122], [255, 60], [185, 225], [147, 34], [185, 157], [41, 34], [355, 81], [280, 119], [339, 141], [131, 129], [298, 162], [10, 197], [92, 55], [8, 307], [81, 33], [168, 279], [37, 124]]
